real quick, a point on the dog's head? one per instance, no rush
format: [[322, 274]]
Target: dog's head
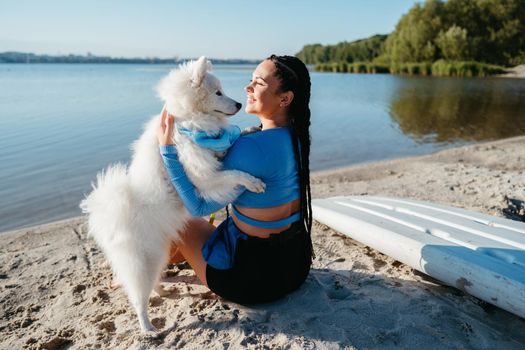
[[192, 90]]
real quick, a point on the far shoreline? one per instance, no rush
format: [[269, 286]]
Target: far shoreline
[[31, 58], [438, 69]]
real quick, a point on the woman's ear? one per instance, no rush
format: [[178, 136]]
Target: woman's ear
[[286, 98]]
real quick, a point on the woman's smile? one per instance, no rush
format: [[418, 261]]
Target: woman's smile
[[262, 91]]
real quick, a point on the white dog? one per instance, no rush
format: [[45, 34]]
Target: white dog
[[134, 213]]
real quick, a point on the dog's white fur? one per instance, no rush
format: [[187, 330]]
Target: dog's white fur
[[134, 213]]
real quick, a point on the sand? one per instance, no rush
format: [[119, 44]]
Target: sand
[[515, 72], [54, 283]]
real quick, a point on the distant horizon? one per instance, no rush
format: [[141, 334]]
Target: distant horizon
[[231, 30], [89, 53], [18, 57], [92, 53]]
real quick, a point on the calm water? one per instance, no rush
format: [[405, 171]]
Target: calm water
[[60, 124]]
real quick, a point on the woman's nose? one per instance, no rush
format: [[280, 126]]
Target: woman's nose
[[248, 88]]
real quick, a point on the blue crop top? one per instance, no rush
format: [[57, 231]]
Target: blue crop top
[[267, 155]]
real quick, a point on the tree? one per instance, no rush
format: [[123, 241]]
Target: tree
[[453, 43], [356, 51], [487, 31], [413, 38]]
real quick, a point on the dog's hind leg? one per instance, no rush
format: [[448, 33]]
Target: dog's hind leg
[[138, 282], [153, 265], [141, 307], [138, 286], [139, 298]]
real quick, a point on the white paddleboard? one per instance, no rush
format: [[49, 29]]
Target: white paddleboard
[[480, 254]]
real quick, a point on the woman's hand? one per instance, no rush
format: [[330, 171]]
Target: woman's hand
[[165, 134]]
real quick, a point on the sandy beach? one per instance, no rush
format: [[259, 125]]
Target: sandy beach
[[54, 283], [515, 72]]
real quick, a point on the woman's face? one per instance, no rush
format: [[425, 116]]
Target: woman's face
[[264, 98]]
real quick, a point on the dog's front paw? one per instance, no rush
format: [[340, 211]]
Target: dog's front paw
[[255, 185]]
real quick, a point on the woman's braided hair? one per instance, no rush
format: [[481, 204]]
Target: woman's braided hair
[[294, 76]]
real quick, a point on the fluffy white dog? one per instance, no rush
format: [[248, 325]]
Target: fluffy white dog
[[134, 213]]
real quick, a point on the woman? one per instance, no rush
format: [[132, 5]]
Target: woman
[[264, 250]]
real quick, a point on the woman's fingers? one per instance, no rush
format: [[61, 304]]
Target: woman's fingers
[[161, 135], [163, 115], [169, 128], [166, 127]]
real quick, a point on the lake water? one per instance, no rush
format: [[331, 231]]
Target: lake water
[[60, 124]]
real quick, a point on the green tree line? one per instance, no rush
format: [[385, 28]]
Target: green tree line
[[457, 33], [356, 51]]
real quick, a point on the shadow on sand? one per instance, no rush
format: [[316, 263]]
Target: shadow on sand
[[350, 308]]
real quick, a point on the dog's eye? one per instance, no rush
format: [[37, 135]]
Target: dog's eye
[[218, 93]]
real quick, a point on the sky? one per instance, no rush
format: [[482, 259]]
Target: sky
[[174, 28]]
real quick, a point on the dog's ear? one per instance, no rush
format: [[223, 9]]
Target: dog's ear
[[200, 68]]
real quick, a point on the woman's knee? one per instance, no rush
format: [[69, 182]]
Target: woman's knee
[[175, 254], [196, 231], [192, 240]]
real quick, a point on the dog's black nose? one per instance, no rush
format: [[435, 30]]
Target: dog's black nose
[[238, 105]]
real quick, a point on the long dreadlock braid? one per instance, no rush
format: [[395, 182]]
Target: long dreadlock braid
[[294, 76]]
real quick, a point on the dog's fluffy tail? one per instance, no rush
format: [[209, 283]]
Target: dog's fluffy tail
[[108, 205]]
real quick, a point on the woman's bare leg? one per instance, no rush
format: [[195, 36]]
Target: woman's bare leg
[[193, 238], [175, 254]]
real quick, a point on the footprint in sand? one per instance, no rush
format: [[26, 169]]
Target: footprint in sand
[[156, 301], [378, 263], [159, 322], [108, 326], [56, 343], [100, 317], [101, 296], [333, 286], [78, 288]]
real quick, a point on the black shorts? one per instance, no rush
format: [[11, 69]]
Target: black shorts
[[264, 269]]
